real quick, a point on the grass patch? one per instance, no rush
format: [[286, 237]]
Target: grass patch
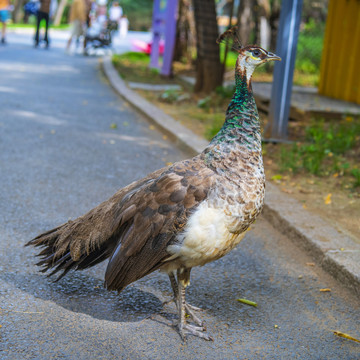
[[134, 66], [329, 148], [32, 25]]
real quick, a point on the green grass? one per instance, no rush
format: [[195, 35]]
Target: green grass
[[323, 151], [134, 66], [32, 26]]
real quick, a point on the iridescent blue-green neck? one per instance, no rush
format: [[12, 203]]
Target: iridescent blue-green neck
[[242, 124]]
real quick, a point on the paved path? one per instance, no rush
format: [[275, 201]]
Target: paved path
[[58, 158]]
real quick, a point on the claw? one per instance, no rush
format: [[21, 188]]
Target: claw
[[185, 329]]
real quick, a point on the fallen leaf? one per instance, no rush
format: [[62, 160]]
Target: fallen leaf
[[305, 191], [342, 249], [310, 264], [164, 137], [169, 163], [346, 336], [287, 191], [327, 200], [248, 302], [113, 126], [335, 175], [152, 127], [300, 277], [276, 177], [276, 326], [304, 206], [325, 290], [311, 182]]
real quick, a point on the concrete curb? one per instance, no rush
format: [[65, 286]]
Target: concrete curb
[[337, 253]]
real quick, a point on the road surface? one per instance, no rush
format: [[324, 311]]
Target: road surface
[[59, 157]]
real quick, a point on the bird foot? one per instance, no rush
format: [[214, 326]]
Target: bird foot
[[189, 309], [199, 331]]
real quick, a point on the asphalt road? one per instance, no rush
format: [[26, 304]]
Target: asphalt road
[[59, 157]]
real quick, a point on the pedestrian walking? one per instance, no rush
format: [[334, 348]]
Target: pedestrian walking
[[4, 16], [115, 13], [123, 26], [43, 14], [78, 17]]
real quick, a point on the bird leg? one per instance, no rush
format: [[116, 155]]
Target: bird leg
[[188, 308], [183, 276]]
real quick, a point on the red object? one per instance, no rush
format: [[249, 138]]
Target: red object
[[145, 47]]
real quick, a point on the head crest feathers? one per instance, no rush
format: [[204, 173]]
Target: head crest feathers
[[228, 35]]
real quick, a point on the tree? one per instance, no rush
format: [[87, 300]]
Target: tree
[[185, 32], [16, 14], [209, 72], [60, 11], [246, 20]]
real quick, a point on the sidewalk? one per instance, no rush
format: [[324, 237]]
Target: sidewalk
[[337, 253]]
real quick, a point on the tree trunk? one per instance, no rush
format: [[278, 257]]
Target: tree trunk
[[208, 67], [17, 10], [274, 22], [264, 28], [246, 22], [184, 31], [59, 12]]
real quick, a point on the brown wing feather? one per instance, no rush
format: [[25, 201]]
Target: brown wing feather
[[90, 238], [135, 225], [163, 208]]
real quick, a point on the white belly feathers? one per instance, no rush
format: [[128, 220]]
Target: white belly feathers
[[206, 237]]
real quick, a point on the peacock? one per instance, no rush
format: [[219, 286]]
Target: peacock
[[181, 216]]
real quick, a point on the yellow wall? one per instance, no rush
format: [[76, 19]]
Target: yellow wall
[[340, 65]]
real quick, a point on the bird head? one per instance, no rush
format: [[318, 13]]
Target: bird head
[[253, 56], [250, 57]]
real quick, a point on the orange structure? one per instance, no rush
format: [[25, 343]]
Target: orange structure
[[340, 74]]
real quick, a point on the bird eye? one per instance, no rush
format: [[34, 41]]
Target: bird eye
[[256, 52]]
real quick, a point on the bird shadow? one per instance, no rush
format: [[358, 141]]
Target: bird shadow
[[85, 294]]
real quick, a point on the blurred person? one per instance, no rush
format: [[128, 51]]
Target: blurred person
[[101, 11], [43, 14], [30, 8], [4, 16], [115, 13], [89, 8], [78, 21], [123, 26]]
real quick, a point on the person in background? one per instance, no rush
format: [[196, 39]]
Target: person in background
[[78, 21], [123, 26], [43, 14], [88, 7], [4, 16], [115, 13]]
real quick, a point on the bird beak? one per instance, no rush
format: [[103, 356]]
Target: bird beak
[[272, 57]]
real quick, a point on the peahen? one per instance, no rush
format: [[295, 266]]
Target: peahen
[[184, 215]]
